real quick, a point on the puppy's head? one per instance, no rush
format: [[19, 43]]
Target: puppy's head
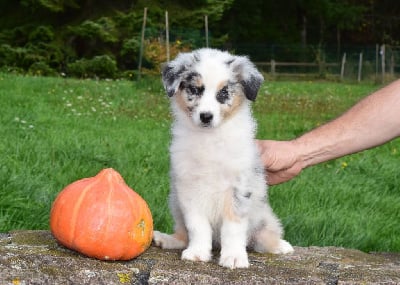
[[209, 85]]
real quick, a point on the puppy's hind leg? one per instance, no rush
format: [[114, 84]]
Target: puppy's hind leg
[[178, 240], [268, 237], [269, 241]]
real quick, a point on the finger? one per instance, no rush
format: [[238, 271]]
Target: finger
[[274, 178]]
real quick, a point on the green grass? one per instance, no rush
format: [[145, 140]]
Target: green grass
[[55, 131]]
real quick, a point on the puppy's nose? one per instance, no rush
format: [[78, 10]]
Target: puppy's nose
[[206, 117]]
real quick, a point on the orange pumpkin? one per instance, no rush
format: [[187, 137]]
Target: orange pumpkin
[[102, 217]]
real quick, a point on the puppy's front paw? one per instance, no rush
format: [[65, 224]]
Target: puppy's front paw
[[238, 260], [195, 254], [283, 248], [166, 241]]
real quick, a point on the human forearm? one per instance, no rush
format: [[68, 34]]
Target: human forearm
[[371, 122]]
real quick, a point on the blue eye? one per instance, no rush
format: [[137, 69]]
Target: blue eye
[[223, 95], [195, 90]]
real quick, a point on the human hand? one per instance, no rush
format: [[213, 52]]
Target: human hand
[[280, 160]]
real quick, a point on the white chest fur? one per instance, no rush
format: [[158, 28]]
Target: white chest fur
[[207, 163]]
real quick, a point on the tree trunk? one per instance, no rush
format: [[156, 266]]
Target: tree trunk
[[321, 30], [338, 41], [303, 32]]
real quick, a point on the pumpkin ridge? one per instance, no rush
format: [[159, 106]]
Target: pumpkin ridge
[[110, 186], [133, 206], [112, 179], [133, 228], [142, 226], [76, 210]]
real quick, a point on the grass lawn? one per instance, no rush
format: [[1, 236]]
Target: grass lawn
[[55, 131]]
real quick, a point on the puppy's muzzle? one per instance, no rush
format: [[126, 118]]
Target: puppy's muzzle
[[206, 118]]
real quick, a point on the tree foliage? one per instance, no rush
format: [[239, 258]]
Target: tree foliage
[[53, 34], [52, 5]]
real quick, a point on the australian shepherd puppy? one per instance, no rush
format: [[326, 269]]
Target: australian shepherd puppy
[[218, 190]]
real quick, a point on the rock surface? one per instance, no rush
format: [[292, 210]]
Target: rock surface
[[34, 257]]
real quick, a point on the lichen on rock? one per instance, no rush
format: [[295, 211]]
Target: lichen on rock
[[34, 257]]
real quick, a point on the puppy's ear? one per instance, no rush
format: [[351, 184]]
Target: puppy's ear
[[172, 72], [171, 77], [247, 75]]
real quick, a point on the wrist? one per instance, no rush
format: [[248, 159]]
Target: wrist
[[299, 153], [310, 152]]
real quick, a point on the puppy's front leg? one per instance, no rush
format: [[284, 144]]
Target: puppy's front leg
[[200, 238], [233, 243], [235, 224]]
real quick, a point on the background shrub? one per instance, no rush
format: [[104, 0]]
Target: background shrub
[[41, 68], [99, 66], [41, 34], [129, 53], [7, 55]]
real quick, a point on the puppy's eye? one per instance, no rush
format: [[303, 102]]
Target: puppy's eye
[[195, 90], [223, 95]]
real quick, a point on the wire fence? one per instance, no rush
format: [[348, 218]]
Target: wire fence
[[378, 62]]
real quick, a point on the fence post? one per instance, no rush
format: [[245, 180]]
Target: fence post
[[321, 65], [342, 67], [206, 28], [376, 61], [167, 34], [273, 67], [360, 67], [392, 64], [142, 43], [383, 62]]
